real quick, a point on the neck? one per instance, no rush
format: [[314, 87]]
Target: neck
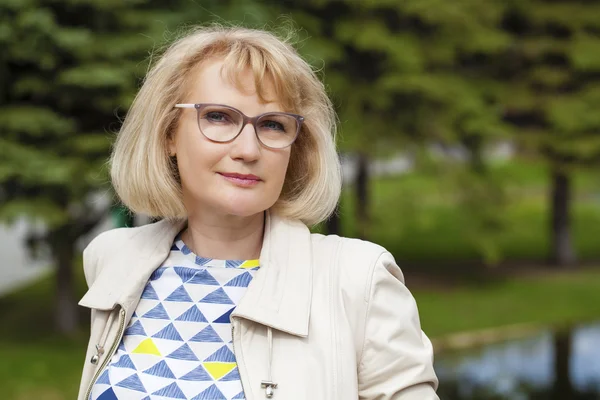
[[225, 237]]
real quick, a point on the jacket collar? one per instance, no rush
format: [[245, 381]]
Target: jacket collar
[[279, 296]]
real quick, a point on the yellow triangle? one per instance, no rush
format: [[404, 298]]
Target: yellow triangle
[[250, 264], [218, 369], [147, 347]]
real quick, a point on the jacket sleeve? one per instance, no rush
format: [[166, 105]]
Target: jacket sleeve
[[397, 358]]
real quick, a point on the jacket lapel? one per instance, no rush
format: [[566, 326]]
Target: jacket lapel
[[279, 296]]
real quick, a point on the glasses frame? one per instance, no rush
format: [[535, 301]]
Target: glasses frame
[[245, 121]]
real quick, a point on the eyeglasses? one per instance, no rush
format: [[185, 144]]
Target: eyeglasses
[[220, 123]]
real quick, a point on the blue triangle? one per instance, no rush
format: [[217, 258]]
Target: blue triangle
[[239, 396], [185, 273], [242, 280], [148, 398], [125, 362], [135, 329], [217, 297], [183, 353], [180, 294], [174, 247], [197, 374], [202, 260], [232, 376], [172, 391], [168, 332], [184, 249], [161, 369], [121, 347], [104, 378], [108, 395], [212, 393], [149, 292], [222, 355], [193, 314], [206, 335], [134, 315], [157, 312], [157, 273], [225, 318], [133, 383], [233, 263], [204, 277]]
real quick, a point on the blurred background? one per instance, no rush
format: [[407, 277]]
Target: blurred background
[[470, 139]]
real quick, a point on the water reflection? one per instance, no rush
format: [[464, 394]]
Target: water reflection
[[552, 365]]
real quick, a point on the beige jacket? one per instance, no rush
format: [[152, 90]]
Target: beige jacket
[[325, 318]]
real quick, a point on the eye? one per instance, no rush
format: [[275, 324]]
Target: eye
[[273, 125], [216, 116]]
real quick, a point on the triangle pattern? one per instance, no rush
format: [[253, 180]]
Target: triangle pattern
[[149, 292], [133, 383], [109, 394], [201, 261], [222, 355], [203, 277], [238, 396], [160, 369], [168, 332], [197, 374], [233, 263], [207, 334], [183, 353], [172, 391], [193, 314], [180, 294], [185, 273], [135, 329], [125, 362], [242, 280], [157, 312], [217, 297], [234, 375], [157, 273], [147, 347], [212, 393], [104, 378], [225, 318]]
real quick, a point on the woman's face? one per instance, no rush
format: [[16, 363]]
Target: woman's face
[[238, 178]]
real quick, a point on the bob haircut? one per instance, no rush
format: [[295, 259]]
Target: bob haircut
[[145, 177]]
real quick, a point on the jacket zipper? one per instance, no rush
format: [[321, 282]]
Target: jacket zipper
[[238, 365], [109, 354]]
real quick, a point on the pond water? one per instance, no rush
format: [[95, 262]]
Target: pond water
[[551, 365]]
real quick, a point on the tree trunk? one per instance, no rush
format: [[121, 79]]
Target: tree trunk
[[563, 387], [333, 223], [66, 320], [562, 245], [362, 195]]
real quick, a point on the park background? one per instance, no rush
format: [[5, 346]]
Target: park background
[[470, 137]]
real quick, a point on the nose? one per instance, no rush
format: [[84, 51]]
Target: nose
[[246, 146]]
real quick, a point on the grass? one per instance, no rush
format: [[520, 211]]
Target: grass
[[420, 219], [553, 299]]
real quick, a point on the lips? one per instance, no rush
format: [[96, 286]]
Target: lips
[[248, 177]]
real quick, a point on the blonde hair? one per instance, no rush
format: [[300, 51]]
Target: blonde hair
[[144, 175]]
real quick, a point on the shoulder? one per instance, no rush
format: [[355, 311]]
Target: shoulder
[[355, 260], [112, 242]]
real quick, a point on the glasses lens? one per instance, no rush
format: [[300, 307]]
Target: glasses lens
[[277, 130], [218, 123]]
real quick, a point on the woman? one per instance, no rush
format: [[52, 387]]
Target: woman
[[230, 142]]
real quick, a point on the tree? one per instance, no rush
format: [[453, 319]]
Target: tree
[[552, 76], [68, 71], [399, 74]]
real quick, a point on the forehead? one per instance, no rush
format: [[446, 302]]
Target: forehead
[[226, 77]]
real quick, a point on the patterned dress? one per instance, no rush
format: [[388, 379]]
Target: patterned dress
[[178, 344]]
